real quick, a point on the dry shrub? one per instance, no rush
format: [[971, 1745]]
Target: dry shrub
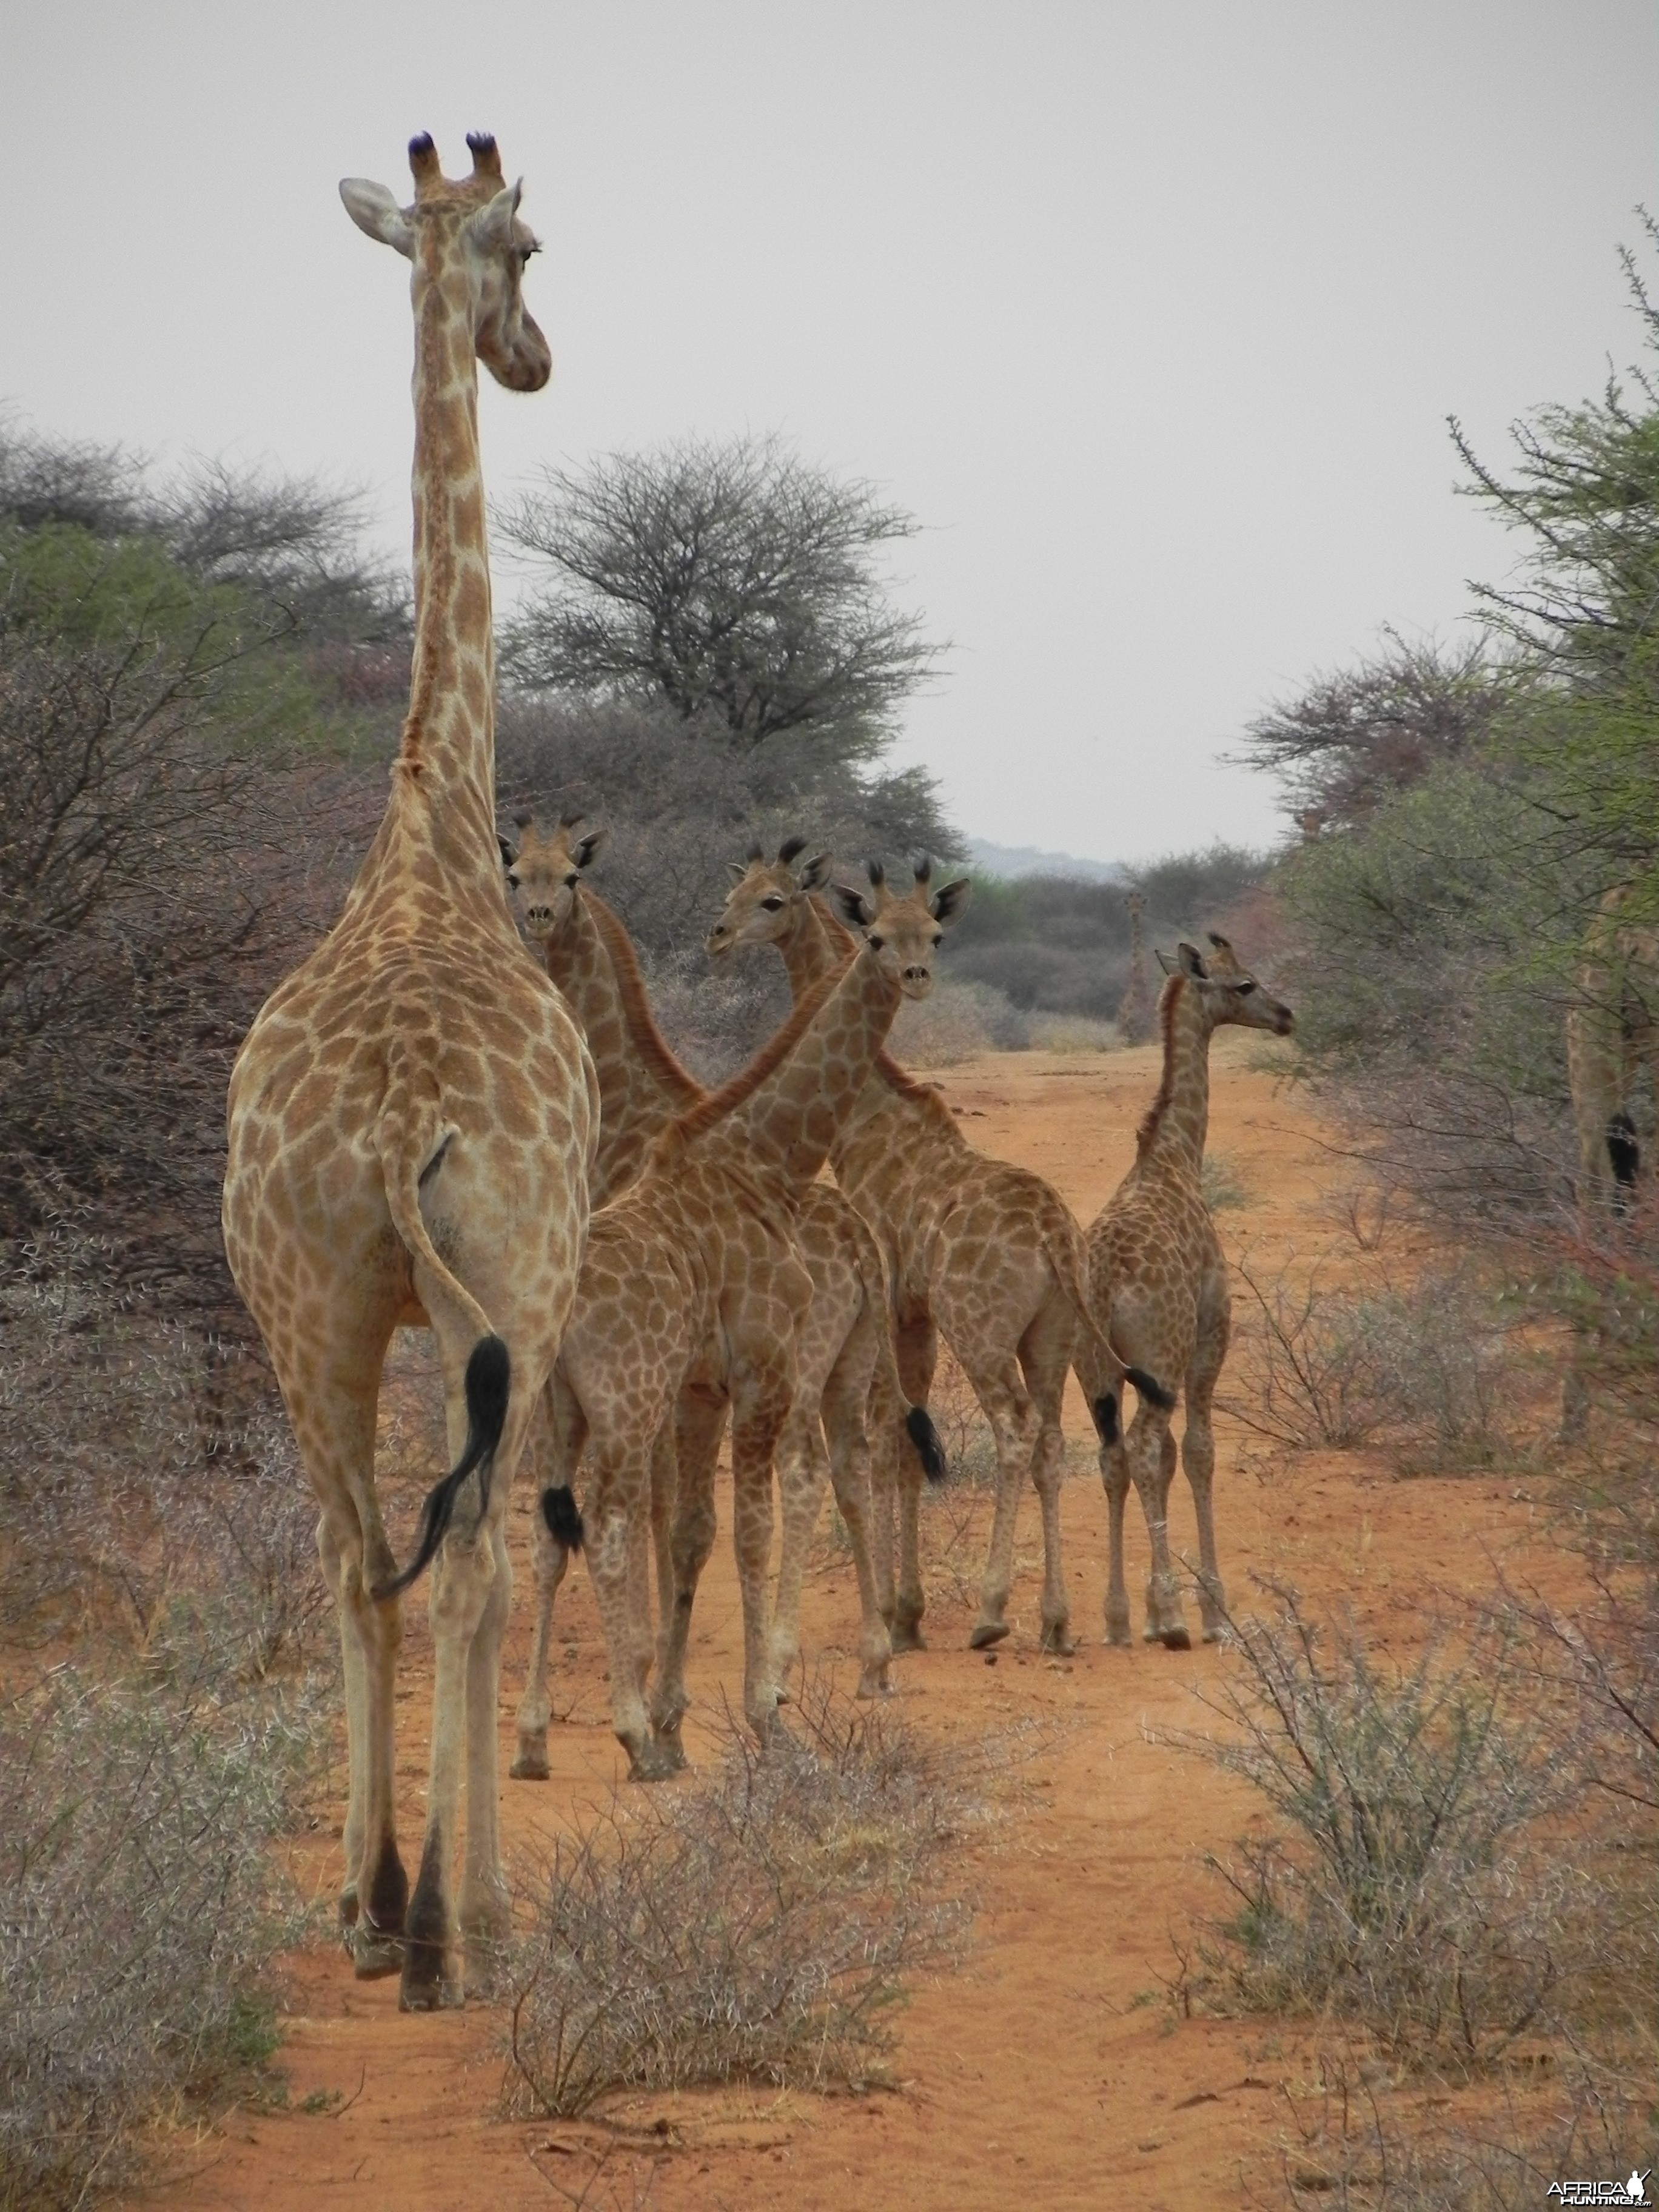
[[1223, 1187], [1074, 1033], [1428, 1365], [756, 1926], [136, 1912], [138, 1473], [1351, 2147], [1409, 1885], [958, 1021]]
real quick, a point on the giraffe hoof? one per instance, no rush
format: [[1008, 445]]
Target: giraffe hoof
[[1175, 1639], [906, 1636], [348, 1914], [424, 1988], [375, 1957], [986, 1633], [660, 1759], [1057, 1639], [1117, 1632], [531, 1765]]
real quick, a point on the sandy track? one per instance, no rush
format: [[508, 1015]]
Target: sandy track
[[1048, 2071]]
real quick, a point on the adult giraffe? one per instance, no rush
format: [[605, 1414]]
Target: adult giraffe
[[411, 1118]]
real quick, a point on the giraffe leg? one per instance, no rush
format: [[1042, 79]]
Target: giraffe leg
[[1015, 1425], [803, 1475], [467, 1606], [1152, 1449], [846, 1402], [759, 1409], [915, 1347], [699, 1420], [332, 1557], [1045, 1356], [556, 1441], [663, 1484], [486, 1909], [1115, 1474], [334, 1430], [1197, 1448], [618, 1489]]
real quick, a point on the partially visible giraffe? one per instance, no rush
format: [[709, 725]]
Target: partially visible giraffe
[[1135, 1010], [985, 1254], [1158, 1285], [845, 1351], [411, 1117], [1613, 1040], [691, 1293], [1612, 1045]]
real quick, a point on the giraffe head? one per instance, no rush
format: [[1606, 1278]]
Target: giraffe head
[[543, 872], [469, 246], [903, 933], [760, 907], [1230, 991]]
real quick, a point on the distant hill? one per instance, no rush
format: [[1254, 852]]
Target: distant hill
[[1029, 860]]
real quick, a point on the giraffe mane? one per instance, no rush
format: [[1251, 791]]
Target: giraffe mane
[[1169, 999], [715, 1105], [645, 1037]]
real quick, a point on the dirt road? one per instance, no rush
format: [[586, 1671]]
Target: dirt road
[[1050, 2069]]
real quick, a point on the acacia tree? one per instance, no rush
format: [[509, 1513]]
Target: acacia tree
[[731, 581]]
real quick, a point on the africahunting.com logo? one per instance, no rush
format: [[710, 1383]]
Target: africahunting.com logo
[[1633, 2191]]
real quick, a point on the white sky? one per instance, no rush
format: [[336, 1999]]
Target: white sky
[[1151, 313]]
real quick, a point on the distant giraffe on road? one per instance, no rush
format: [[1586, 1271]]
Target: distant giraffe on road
[[985, 1254], [1158, 1285], [845, 1351]]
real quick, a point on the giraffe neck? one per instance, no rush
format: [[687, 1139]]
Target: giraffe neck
[[817, 945], [642, 1087], [789, 1122], [449, 747], [1177, 1124]]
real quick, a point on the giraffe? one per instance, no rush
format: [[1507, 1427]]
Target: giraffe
[[847, 1331], [984, 1254], [1134, 1013], [1613, 1040], [1157, 1285], [413, 1103], [692, 1293]]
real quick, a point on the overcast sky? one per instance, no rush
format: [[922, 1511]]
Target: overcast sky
[[1151, 313]]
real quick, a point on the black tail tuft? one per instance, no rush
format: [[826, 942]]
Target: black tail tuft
[[1624, 1152], [1149, 1387], [564, 1522], [1105, 1410], [919, 1427], [489, 1384]]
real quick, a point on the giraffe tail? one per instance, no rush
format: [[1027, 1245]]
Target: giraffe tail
[[1063, 1246], [917, 1420], [411, 1140], [489, 1385]]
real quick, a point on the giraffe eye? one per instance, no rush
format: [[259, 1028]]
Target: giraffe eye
[[512, 879], [937, 939], [875, 944], [570, 881], [772, 905], [1243, 988]]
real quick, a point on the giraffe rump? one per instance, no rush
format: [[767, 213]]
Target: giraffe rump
[[489, 1384]]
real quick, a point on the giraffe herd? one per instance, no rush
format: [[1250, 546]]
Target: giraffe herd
[[429, 1126]]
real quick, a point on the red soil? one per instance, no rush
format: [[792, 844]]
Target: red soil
[[1048, 2069]]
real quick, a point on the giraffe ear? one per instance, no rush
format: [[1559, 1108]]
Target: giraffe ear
[[815, 875], [584, 848], [854, 906], [948, 902], [491, 229], [1165, 962], [373, 208], [737, 869], [508, 855], [1192, 962]]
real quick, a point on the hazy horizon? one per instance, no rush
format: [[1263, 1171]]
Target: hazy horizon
[[1153, 318]]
